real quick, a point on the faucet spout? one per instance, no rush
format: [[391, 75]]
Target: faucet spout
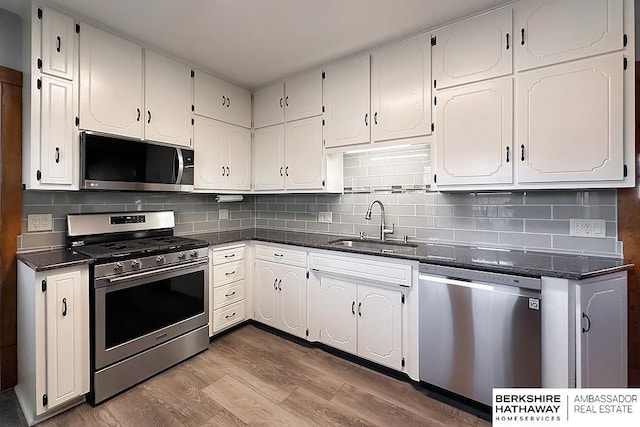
[[383, 231]]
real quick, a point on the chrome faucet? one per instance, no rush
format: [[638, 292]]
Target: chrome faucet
[[383, 231]]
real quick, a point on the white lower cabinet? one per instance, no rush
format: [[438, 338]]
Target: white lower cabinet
[[227, 287], [53, 339]]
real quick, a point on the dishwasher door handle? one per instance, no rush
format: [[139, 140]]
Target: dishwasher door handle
[[464, 283]]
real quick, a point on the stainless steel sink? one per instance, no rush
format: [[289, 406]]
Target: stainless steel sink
[[376, 246]]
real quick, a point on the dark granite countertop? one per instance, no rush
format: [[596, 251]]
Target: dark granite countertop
[[511, 261], [52, 259]]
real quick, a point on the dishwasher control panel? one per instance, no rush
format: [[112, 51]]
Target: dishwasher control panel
[[482, 276]]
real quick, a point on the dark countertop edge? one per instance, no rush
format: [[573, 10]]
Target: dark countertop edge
[[52, 259]]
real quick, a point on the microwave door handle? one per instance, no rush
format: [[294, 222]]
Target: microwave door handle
[[180, 170]]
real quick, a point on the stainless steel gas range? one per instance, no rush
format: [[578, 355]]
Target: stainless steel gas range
[[150, 297]]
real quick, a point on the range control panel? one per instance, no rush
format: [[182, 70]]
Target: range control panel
[[127, 219]]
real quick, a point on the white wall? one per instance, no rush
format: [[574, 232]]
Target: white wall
[[10, 40]]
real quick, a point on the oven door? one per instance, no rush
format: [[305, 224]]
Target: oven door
[[141, 310]]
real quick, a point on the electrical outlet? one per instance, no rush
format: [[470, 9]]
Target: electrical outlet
[[223, 214], [588, 227], [40, 222], [325, 217]]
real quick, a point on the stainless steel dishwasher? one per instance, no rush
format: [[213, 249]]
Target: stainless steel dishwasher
[[478, 330]]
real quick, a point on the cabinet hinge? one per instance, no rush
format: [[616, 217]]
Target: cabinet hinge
[[323, 182], [403, 363], [435, 100], [402, 298], [624, 40], [77, 121], [323, 108], [44, 285], [433, 41], [624, 171], [193, 108], [624, 63], [39, 64], [322, 122], [38, 175], [77, 28], [433, 127], [435, 178], [307, 274], [192, 122], [39, 13], [39, 84], [324, 76], [45, 400], [307, 332], [193, 74], [434, 83]]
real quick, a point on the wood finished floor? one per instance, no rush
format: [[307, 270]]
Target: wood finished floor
[[252, 377]]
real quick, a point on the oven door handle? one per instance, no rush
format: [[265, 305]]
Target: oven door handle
[[129, 277]]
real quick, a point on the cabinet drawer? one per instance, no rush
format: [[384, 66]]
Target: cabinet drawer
[[228, 316], [285, 256], [222, 255], [228, 294], [227, 273]]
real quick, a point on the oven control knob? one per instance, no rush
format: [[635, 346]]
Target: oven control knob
[[181, 255], [118, 268], [135, 264], [160, 259], [194, 254]]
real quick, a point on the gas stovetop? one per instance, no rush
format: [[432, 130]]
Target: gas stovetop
[[137, 247]]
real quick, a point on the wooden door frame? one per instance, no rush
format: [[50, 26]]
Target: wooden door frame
[[10, 218]]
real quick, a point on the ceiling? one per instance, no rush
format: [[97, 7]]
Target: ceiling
[[254, 42]]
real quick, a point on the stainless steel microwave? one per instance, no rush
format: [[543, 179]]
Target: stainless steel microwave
[[113, 163]]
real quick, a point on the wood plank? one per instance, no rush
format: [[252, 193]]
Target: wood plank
[[483, 423], [317, 411], [138, 407], [250, 406], [224, 418]]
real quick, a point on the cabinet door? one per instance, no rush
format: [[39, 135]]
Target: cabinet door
[[57, 132], [268, 158], [474, 134], [380, 325], [238, 106], [167, 97], [338, 319], [570, 122], [210, 151], [347, 95], [475, 49], [401, 87], [292, 287], [303, 96], [239, 158], [268, 106], [58, 44], [110, 83], [266, 293], [217, 99], [601, 330], [553, 31], [67, 345], [303, 154]]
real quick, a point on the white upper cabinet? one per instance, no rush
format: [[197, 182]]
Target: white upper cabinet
[[553, 31], [303, 154], [401, 89], [168, 89], [347, 98], [110, 83], [238, 158], [474, 134], [297, 98], [58, 43], [475, 49], [571, 122], [268, 152], [220, 100]]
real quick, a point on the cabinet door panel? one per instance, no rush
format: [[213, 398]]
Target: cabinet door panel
[[380, 325], [239, 158], [601, 325], [210, 145], [401, 85], [268, 155], [268, 106], [64, 337], [303, 96], [292, 286], [303, 154], [556, 31], [569, 140], [238, 106], [57, 131], [220, 100], [110, 84], [265, 293], [338, 322], [474, 134], [168, 93], [346, 98], [473, 50], [58, 44]]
